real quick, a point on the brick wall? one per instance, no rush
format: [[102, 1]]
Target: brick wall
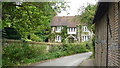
[[108, 30], [113, 36], [119, 33]]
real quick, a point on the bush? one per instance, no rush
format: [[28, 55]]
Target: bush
[[14, 54], [17, 54], [34, 37], [67, 49]]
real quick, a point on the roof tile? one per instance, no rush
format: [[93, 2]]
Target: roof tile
[[68, 21]]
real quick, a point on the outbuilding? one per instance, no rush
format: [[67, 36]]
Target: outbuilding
[[107, 34]]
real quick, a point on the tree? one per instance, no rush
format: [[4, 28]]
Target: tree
[[87, 16], [30, 18]]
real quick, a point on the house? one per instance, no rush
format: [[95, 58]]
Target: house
[[107, 33], [73, 34]]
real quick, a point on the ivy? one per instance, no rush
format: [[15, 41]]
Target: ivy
[[64, 33]]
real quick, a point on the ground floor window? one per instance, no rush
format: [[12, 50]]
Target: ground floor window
[[85, 38], [58, 38]]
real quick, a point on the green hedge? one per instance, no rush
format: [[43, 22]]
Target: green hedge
[[17, 54]]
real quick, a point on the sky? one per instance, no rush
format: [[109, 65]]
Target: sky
[[75, 5]]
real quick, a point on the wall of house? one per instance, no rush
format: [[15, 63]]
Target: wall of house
[[107, 51], [57, 30], [86, 34], [52, 29], [75, 31]]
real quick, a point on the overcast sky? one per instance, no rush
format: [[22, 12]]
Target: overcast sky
[[74, 6]]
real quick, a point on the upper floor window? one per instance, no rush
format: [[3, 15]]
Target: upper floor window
[[58, 29], [71, 29], [84, 28]]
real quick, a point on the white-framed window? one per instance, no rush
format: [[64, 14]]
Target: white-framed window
[[84, 29], [82, 38], [74, 29], [85, 38], [71, 30], [58, 38], [58, 29]]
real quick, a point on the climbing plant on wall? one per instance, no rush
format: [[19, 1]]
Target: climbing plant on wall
[[52, 37], [64, 33]]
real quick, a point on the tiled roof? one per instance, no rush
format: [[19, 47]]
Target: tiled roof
[[68, 21]]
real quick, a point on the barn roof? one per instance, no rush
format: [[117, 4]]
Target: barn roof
[[68, 21], [101, 10]]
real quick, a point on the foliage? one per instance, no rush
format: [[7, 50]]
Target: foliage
[[35, 38], [14, 54], [30, 17], [86, 33], [87, 16], [17, 54], [52, 37], [10, 33], [64, 33]]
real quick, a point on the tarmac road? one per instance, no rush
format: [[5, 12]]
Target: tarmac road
[[72, 60]]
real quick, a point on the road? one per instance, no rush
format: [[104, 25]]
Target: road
[[73, 60]]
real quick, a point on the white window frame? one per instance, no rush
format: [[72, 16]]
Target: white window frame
[[58, 38], [58, 29], [84, 29], [71, 30]]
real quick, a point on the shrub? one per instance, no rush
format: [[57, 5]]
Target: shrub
[[14, 54], [67, 49], [34, 37], [17, 54]]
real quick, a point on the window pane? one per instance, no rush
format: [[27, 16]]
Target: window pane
[[71, 29]]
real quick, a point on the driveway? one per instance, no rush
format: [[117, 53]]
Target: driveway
[[73, 60]]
